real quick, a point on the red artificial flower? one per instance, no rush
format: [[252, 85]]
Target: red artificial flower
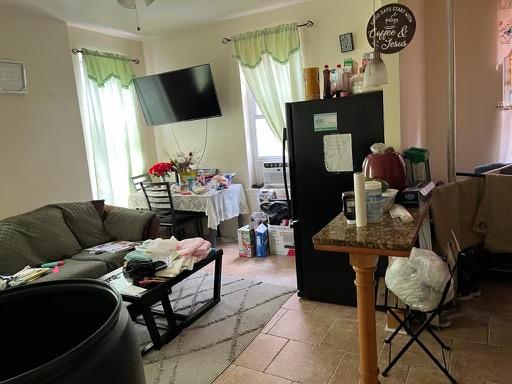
[[161, 169]]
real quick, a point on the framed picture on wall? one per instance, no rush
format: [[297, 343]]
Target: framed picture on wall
[[12, 77], [346, 42]]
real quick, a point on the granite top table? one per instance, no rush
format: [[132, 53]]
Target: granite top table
[[391, 237]]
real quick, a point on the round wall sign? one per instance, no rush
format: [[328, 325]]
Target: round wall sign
[[396, 25]]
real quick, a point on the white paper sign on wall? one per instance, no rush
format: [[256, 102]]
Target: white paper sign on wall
[[12, 77]]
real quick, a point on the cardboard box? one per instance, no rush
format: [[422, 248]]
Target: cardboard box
[[281, 240], [261, 240], [247, 240], [415, 196]]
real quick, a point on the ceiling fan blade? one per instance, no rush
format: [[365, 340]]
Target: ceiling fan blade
[[148, 2], [127, 3]]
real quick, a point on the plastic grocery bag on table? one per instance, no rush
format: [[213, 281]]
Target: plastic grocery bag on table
[[418, 280]]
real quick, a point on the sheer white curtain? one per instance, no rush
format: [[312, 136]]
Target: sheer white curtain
[[271, 63], [273, 85], [113, 137]]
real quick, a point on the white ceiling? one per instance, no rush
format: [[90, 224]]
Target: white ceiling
[[163, 15]]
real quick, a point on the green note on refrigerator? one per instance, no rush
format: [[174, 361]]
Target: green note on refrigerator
[[325, 122]]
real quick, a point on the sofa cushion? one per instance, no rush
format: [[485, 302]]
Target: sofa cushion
[[99, 205], [112, 260], [47, 233], [85, 222], [127, 224], [73, 269], [15, 251]]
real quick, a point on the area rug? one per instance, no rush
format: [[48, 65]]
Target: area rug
[[207, 347]]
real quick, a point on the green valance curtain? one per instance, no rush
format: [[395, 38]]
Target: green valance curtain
[[102, 66], [271, 63], [278, 42]]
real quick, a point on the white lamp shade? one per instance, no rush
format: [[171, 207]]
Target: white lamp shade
[[376, 73]]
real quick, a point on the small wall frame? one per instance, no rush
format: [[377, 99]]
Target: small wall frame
[[12, 77], [346, 42]]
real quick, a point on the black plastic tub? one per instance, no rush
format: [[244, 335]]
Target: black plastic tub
[[68, 331]]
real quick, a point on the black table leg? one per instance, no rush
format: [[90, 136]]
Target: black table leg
[[213, 237], [171, 319], [217, 279], [150, 323]]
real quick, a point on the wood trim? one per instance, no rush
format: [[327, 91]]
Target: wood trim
[[364, 265], [362, 251]]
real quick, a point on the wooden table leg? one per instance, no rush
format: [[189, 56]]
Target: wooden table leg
[[365, 266]]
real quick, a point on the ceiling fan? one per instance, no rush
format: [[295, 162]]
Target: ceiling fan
[[131, 4]]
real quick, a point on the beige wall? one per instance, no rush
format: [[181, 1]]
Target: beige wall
[[412, 83], [226, 145], [436, 78], [42, 152], [82, 38], [478, 84]]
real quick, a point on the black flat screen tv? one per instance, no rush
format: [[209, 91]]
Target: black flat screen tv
[[184, 94]]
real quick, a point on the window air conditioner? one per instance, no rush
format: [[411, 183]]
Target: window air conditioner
[[273, 175]]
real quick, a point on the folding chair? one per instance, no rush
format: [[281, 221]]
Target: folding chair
[[425, 326]]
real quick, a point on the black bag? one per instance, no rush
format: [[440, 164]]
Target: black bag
[[276, 211], [137, 270]]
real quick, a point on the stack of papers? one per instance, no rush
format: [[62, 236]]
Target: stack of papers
[[113, 247]]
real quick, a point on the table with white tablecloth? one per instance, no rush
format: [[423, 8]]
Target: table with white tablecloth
[[217, 205]]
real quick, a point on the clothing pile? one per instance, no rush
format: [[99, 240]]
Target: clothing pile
[[178, 255]]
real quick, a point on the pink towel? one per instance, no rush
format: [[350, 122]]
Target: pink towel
[[196, 247]]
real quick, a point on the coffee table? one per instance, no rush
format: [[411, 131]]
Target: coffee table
[[142, 301]]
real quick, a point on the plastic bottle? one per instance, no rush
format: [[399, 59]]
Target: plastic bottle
[[339, 80], [327, 82]]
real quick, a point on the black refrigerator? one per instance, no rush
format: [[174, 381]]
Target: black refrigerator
[[316, 191]]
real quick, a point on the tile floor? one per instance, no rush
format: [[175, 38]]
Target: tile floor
[[309, 342]]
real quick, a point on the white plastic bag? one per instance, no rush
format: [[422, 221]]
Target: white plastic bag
[[158, 248], [419, 280]]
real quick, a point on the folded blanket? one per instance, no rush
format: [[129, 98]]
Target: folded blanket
[[196, 247], [137, 255]]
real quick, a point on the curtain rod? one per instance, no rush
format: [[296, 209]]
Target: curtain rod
[[76, 51], [308, 24]]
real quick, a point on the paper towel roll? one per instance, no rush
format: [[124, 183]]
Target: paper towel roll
[[360, 196]]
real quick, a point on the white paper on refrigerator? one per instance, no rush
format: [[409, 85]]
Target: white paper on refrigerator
[[338, 153]]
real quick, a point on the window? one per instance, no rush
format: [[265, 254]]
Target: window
[[267, 144], [112, 136], [262, 144]]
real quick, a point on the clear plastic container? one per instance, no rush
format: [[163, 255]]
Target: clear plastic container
[[373, 201]]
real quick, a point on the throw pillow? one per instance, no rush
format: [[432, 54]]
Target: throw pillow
[[86, 223]]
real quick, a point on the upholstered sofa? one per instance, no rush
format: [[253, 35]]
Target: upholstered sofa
[[62, 232]]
